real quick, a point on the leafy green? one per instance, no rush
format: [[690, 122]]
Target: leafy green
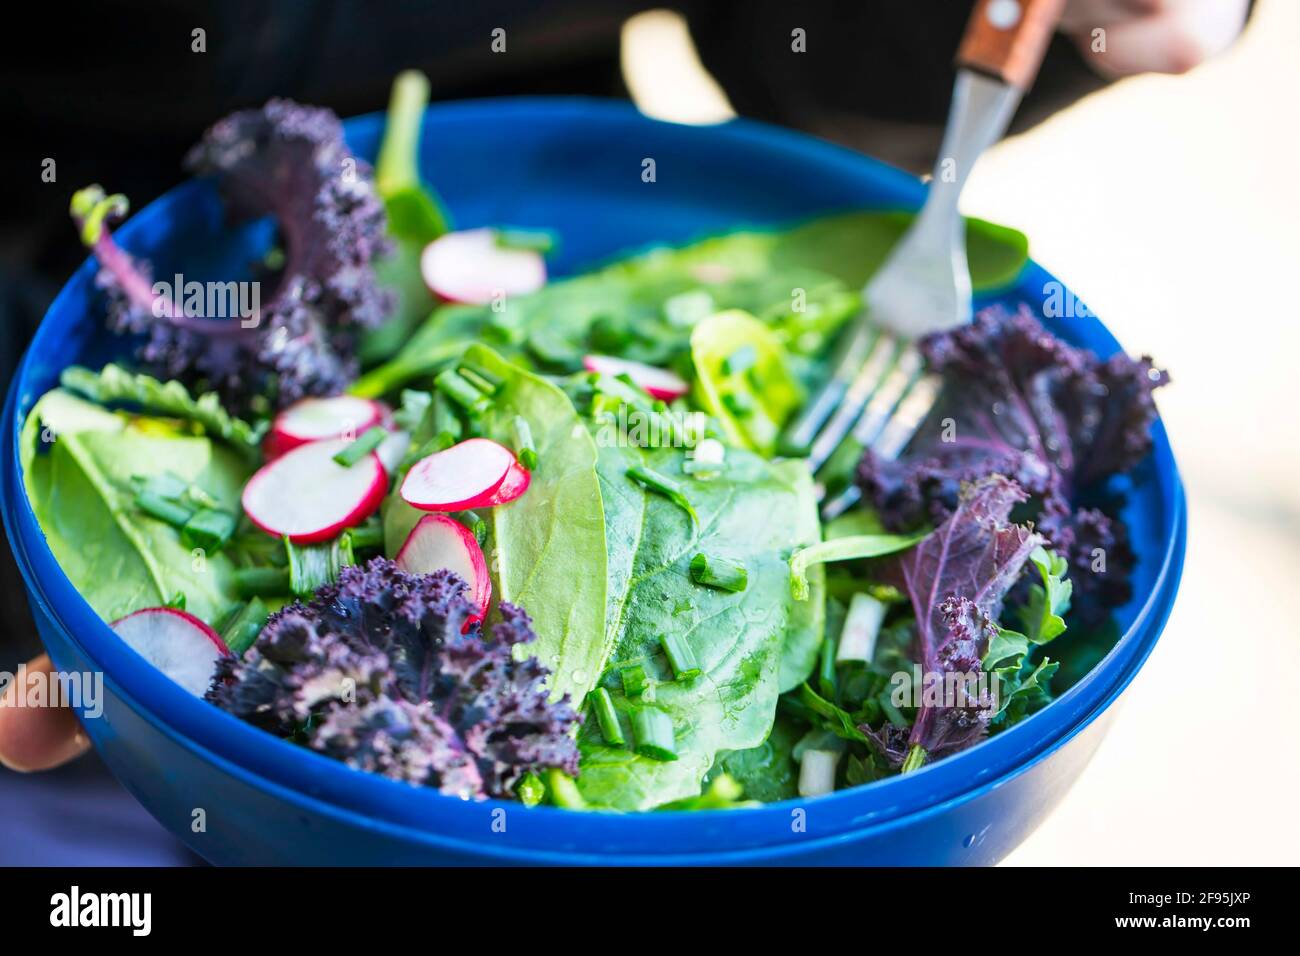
[[802, 283], [767, 772], [737, 638], [1043, 615], [770, 393], [115, 385], [849, 548], [547, 547], [82, 466]]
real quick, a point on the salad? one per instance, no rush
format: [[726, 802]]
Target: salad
[[433, 513]]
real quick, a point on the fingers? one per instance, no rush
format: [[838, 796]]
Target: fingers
[[37, 738], [1156, 36]]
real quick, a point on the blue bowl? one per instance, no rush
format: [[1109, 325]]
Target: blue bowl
[[237, 795]]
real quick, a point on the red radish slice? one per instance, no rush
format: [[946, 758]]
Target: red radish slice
[[313, 419], [469, 266], [515, 484], [175, 642], [466, 475], [437, 542], [309, 496], [658, 382]]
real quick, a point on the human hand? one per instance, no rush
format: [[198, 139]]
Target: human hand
[[37, 738], [1123, 37]]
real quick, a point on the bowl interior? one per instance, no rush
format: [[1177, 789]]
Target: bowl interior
[[575, 166]]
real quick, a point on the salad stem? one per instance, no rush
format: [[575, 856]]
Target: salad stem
[[915, 759]]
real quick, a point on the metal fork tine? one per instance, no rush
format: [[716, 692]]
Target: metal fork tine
[[860, 342], [855, 397], [889, 435], [887, 396]]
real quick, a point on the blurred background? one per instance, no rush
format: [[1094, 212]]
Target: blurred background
[[1170, 204]]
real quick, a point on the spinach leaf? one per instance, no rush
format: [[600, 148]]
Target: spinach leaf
[[769, 771], [852, 246], [81, 466], [547, 547], [736, 638]]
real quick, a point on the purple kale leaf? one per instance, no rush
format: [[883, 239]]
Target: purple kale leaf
[[376, 672], [1022, 403], [288, 162], [956, 579]]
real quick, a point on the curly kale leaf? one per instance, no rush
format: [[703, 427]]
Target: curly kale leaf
[[376, 672], [289, 162], [1018, 401], [956, 579]]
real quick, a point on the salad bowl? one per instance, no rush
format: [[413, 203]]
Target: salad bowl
[[237, 795]]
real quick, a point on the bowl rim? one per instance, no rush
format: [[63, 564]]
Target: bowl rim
[[249, 751]]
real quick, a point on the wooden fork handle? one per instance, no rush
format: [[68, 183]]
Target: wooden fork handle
[[1007, 39]]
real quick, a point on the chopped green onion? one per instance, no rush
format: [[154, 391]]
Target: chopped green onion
[[653, 481], [563, 791], [817, 772], [723, 574], [680, 656], [486, 382], [740, 360], [530, 790], [635, 680], [261, 582], [312, 566], [653, 731], [208, 529], [861, 626], [607, 717], [161, 508], [201, 498], [244, 627], [366, 537], [365, 443], [452, 384], [524, 447], [476, 525], [525, 240], [827, 679]]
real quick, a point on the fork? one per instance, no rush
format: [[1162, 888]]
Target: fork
[[879, 392]]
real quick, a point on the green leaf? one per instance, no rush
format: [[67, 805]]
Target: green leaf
[[1043, 615], [547, 547], [115, 385], [851, 548], [737, 637], [767, 772], [771, 393], [82, 484], [852, 246]]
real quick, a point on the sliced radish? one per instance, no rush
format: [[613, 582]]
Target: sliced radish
[[437, 542], [658, 382], [309, 496], [465, 475], [175, 642], [313, 419], [515, 484], [470, 266]]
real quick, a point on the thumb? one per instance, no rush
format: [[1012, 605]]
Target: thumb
[[37, 738]]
